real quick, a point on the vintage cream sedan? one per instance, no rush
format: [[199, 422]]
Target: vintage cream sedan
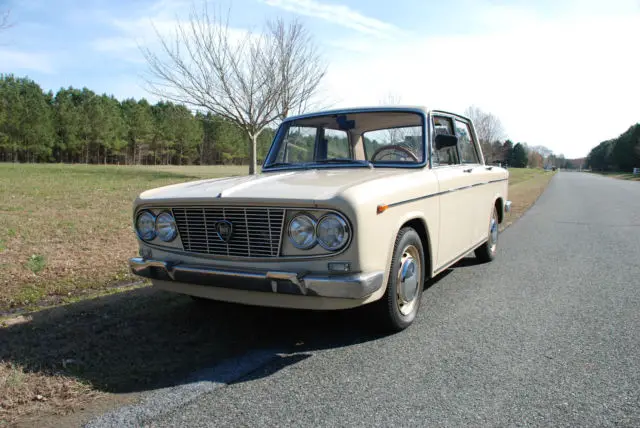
[[352, 207]]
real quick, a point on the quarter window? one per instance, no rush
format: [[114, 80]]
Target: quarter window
[[466, 145]]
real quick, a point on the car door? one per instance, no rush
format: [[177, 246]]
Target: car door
[[456, 207], [479, 177]]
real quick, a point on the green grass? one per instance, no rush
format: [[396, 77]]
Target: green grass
[[36, 263]]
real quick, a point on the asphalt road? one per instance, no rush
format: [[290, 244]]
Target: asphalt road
[[547, 334]]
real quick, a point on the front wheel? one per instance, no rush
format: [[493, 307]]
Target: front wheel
[[399, 306], [487, 251]]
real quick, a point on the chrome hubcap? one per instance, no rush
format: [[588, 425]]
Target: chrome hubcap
[[408, 280]]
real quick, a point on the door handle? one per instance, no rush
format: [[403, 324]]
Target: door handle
[[467, 170], [488, 168]]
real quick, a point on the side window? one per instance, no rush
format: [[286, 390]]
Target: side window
[[337, 144], [465, 143], [447, 155]]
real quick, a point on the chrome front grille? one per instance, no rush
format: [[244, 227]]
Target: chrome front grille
[[256, 231]]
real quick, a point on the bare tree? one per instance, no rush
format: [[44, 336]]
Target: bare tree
[[488, 128], [4, 19], [394, 135], [390, 99], [252, 80], [300, 66]]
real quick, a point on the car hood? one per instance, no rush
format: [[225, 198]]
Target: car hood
[[308, 186]]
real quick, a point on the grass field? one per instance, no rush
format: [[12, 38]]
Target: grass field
[[620, 175], [65, 235], [67, 229]]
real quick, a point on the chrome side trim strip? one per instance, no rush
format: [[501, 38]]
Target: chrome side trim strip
[[444, 192]]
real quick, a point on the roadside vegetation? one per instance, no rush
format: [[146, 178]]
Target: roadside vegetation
[[66, 236], [619, 175], [619, 156], [525, 187]]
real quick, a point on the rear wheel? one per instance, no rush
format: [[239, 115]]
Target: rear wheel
[[487, 251], [399, 306]]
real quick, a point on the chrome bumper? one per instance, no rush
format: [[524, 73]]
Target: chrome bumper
[[507, 207], [354, 286]]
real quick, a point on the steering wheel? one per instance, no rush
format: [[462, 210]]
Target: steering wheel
[[395, 147]]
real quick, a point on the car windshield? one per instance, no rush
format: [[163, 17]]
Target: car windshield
[[371, 138]]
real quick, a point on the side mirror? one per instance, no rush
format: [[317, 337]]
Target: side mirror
[[445, 140]]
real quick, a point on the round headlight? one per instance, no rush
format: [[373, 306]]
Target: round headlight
[[302, 231], [146, 225], [333, 232], [166, 227]]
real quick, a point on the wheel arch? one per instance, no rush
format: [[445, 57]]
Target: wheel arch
[[420, 226]]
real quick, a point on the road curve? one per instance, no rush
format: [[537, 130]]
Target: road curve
[[547, 334]]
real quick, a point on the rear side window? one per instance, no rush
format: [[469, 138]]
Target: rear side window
[[446, 155], [466, 144]]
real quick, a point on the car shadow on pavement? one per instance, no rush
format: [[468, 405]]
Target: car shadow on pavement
[[147, 339]]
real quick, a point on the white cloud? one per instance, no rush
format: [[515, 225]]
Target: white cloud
[[567, 84], [142, 30], [336, 14], [25, 61]]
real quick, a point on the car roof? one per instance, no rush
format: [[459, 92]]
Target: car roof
[[346, 110]]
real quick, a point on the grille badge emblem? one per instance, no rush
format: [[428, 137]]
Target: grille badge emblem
[[224, 230]]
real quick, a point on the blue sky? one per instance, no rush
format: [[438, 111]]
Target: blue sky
[[557, 73]]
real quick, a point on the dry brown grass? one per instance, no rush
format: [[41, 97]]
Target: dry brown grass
[[27, 392], [67, 229], [58, 360], [525, 187]]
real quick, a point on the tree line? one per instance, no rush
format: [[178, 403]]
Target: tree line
[[496, 150], [521, 155], [79, 126], [618, 154]]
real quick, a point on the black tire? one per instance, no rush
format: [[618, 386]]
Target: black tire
[[487, 251], [396, 316]]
